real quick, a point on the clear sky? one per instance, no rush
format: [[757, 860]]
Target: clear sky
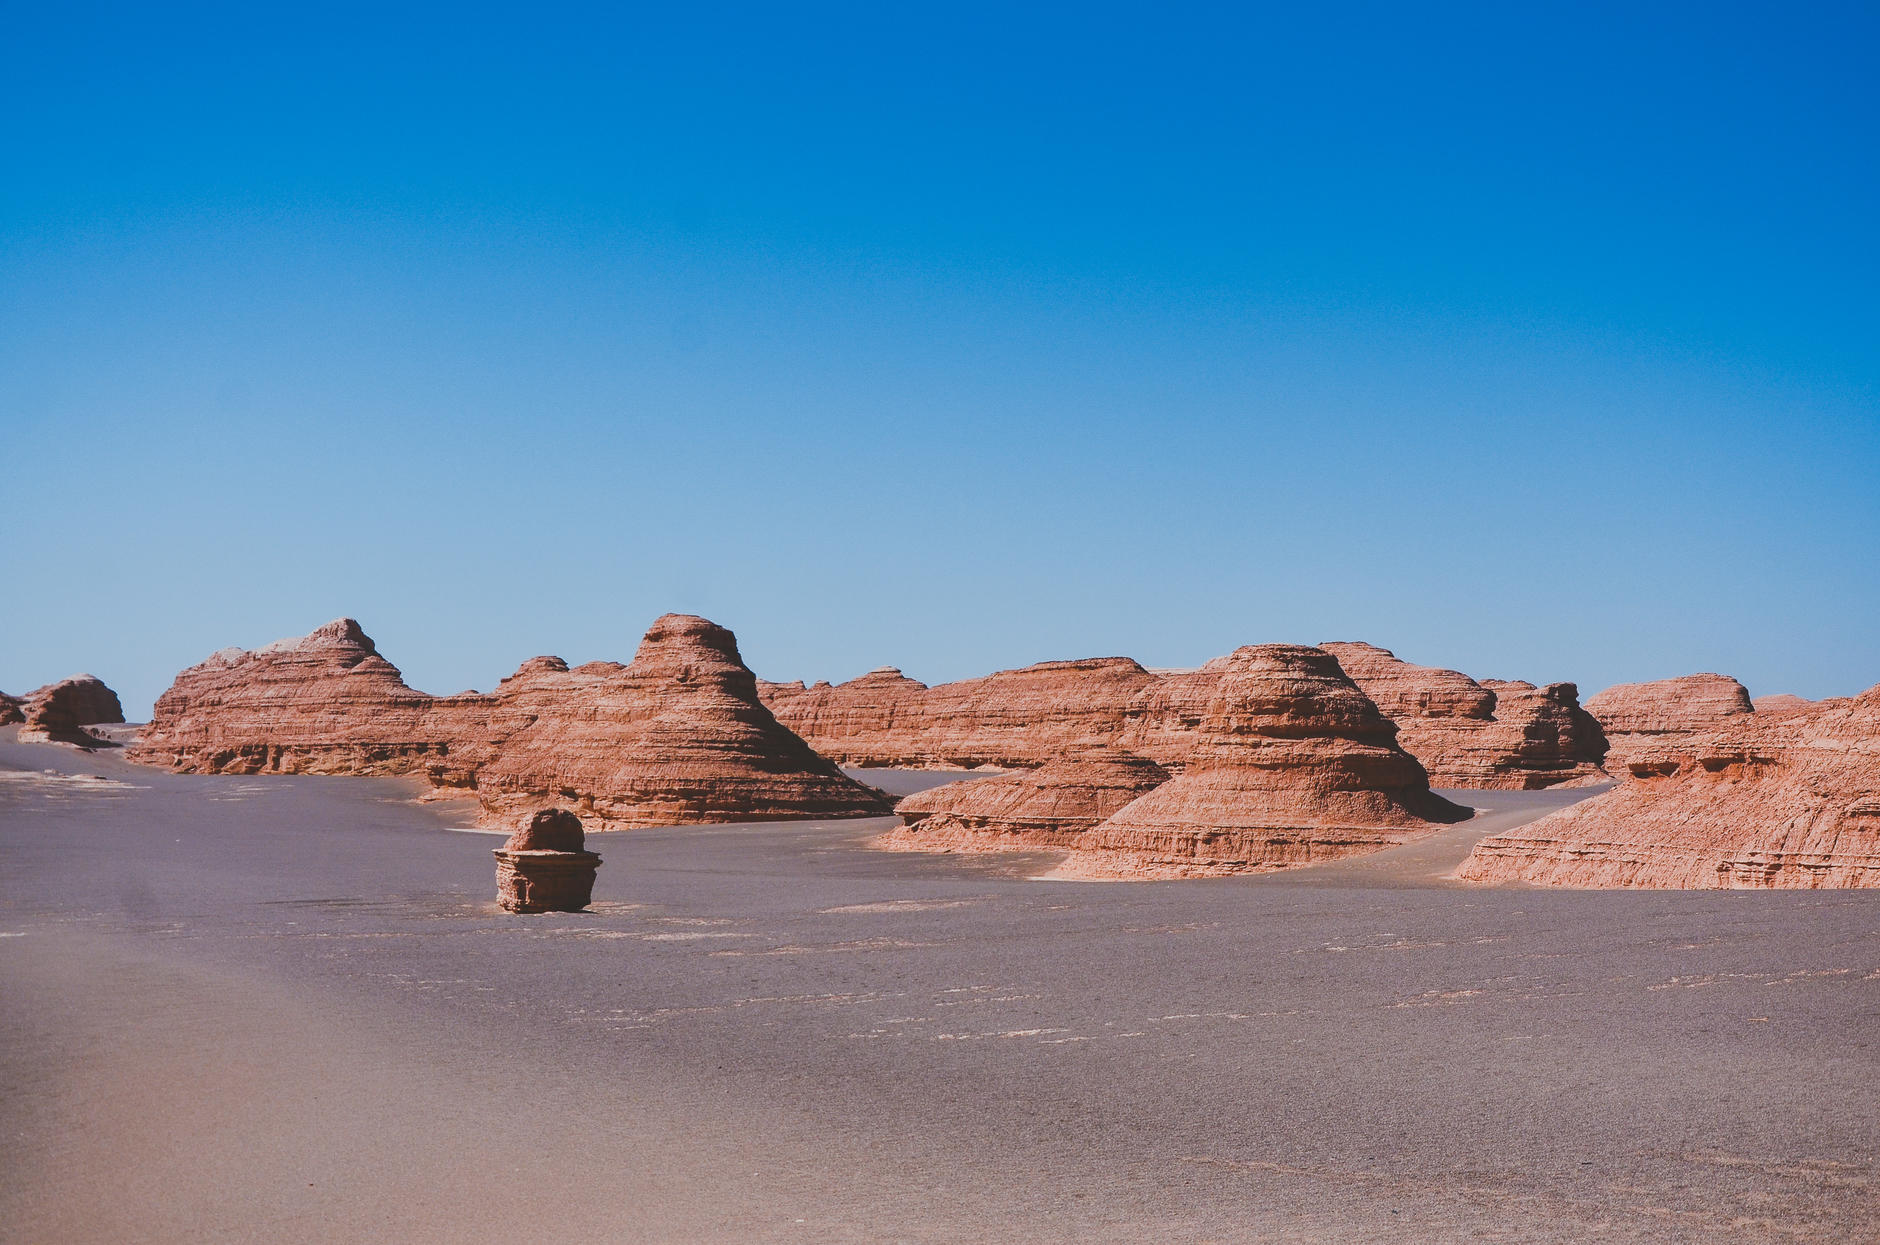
[[1537, 342]]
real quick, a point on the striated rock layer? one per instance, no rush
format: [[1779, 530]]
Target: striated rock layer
[[677, 736], [1285, 762], [1784, 800], [1047, 807], [1492, 734], [60, 711], [1011, 719], [1637, 717]]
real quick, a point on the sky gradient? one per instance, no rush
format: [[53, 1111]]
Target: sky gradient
[[1540, 345]]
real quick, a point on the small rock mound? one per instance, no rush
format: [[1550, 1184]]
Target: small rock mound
[[542, 867], [60, 711], [1047, 807]]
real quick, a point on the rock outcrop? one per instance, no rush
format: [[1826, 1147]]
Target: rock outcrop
[[1637, 717], [60, 711], [677, 736], [12, 711], [1047, 807], [324, 703], [1491, 734], [1780, 703], [1284, 762], [1012, 719], [1790, 799], [545, 867]]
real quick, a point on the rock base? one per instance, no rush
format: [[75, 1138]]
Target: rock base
[[537, 881]]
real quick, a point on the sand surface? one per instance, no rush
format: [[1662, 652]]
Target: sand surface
[[285, 1009]]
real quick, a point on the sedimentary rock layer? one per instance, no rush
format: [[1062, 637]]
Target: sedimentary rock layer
[[1637, 717], [1286, 762], [1047, 807], [60, 711], [1492, 734], [11, 710], [1014, 718], [677, 736], [1784, 800]]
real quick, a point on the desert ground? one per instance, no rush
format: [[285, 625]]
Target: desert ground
[[287, 1009]]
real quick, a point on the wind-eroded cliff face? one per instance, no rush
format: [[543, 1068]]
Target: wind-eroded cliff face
[[677, 736], [1790, 799], [1011, 719], [1492, 734], [1638, 717], [1048, 807]]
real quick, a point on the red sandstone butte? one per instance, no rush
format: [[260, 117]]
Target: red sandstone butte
[[678, 736], [1491, 734], [1047, 807], [1012, 719], [1780, 703], [1789, 800], [60, 711], [324, 703], [1638, 716], [11, 710], [1285, 762]]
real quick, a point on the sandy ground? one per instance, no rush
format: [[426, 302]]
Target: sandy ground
[[284, 1009]]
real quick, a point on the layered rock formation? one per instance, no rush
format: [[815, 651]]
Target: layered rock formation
[[1492, 734], [678, 736], [1784, 800], [1047, 807], [1011, 719], [1639, 716], [324, 703], [12, 711], [1780, 703], [1285, 762], [60, 711], [545, 867]]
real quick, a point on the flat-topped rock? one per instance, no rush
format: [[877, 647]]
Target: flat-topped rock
[[1488, 734], [1639, 716], [1012, 719], [1785, 800]]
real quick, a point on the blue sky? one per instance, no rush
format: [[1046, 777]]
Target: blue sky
[[1540, 344]]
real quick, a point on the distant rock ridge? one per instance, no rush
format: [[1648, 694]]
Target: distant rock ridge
[[1011, 719], [1789, 799], [1638, 717], [677, 736], [1048, 807], [1490, 734], [59, 712]]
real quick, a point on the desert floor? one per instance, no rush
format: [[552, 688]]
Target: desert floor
[[286, 1009]]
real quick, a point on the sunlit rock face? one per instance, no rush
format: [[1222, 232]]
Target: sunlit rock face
[[1789, 799], [1638, 717]]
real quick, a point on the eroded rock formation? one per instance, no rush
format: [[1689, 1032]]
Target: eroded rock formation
[[1784, 800], [545, 867], [60, 711], [11, 710], [1285, 762], [1639, 716], [1491, 734], [1011, 719], [677, 736], [1047, 807]]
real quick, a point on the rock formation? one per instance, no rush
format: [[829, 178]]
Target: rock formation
[[1047, 807], [678, 736], [11, 710], [325, 703], [1790, 799], [1285, 762], [60, 711], [1011, 719], [1492, 734], [1638, 716], [544, 867], [1780, 703]]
